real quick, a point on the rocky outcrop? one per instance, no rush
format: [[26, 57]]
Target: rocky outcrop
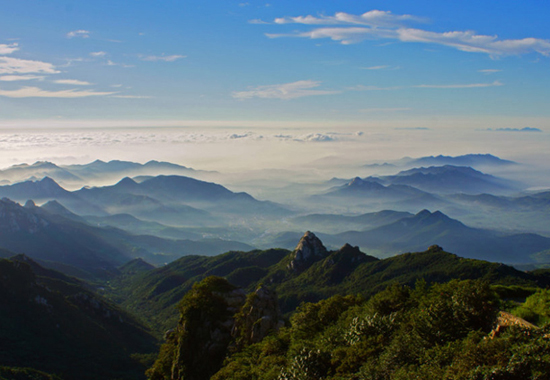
[[259, 316], [216, 317], [309, 250]]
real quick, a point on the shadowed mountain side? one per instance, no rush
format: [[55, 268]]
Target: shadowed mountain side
[[83, 250], [153, 294], [51, 237], [54, 324]]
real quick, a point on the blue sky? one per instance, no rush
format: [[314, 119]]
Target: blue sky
[[434, 64]]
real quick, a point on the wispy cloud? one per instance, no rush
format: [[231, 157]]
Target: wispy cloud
[[361, 87], [258, 21], [13, 78], [131, 96], [10, 65], [8, 49], [489, 71], [79, 33], [469, 85], [385, 25], [111, 63], [73, 82], [98, 54], [284, 91], [397, 109], [165, 58], [35, 92], [382, 67]]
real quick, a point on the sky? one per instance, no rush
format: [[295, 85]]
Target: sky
[[288, 71]]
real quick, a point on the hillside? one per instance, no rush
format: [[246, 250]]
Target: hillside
[[154, 293], [57, 325]]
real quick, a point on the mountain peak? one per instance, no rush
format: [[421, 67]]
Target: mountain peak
[[126, 182], [309, 249], [30, 204]]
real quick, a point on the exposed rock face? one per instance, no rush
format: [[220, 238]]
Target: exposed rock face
[[215, 317], [308, 250], [259, 316]]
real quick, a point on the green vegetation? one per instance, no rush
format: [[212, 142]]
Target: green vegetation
[[154, 294], [536, 308], [7, 373], [425, 332]]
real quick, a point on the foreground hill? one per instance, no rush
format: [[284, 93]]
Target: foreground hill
[[53, 323], [309, 273]]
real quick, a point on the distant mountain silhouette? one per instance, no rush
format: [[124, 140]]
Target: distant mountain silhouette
[[40, 169], [425, 229], [449, 179], [475, 160]]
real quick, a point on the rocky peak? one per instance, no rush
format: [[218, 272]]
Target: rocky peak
[[15, 218], [308, 250], [30, 204]]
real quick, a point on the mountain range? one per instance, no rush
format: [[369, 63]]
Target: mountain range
[[308, 273]]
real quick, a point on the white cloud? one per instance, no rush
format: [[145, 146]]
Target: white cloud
[[79, 33], [165, 58], [98, 54], [346, 36], [10, 65], [73, 82], [374, 18], [470, 85], [35, 92], [385, 25], [8, 49], [13, 78], [284, 91]]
